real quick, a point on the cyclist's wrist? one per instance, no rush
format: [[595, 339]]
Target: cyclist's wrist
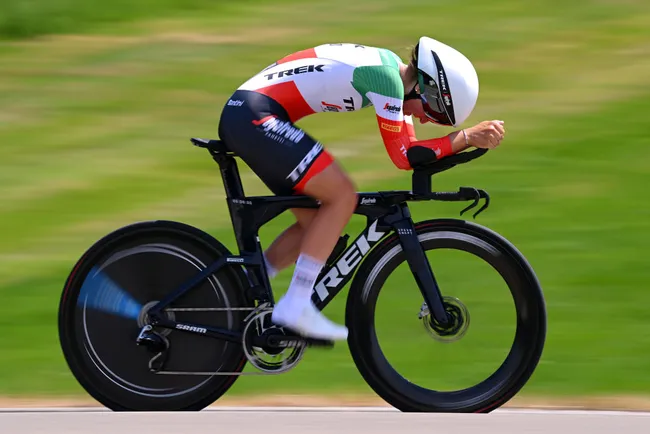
[[459, 141]]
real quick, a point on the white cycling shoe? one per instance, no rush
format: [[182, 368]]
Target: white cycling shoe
[[306, 320]]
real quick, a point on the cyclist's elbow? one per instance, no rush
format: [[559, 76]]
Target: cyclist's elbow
[[402, 163]]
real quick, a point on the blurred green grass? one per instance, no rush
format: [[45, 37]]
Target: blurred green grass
[[95, 126], [31, 18]]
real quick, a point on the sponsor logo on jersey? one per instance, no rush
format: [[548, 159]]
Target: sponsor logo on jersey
[[235, 102], [327, 107], [392, 128], [305, 162], [295, 71], [278, 130], [392, 108]]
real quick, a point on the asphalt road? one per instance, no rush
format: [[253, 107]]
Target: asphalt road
[[302, 420]]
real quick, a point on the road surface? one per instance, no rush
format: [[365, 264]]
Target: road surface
[[318, 420]]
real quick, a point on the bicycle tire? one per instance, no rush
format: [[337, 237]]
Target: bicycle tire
[[117, 393], [522, 358]]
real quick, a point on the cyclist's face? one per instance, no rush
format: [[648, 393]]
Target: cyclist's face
[[413, 107]]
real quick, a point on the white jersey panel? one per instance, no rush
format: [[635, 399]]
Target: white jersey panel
[[332, 92], [387, 107], [325, 81], [325, 85], [350, 54]]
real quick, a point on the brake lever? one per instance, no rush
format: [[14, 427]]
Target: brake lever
[[486, 196], [476, 195], [465, 194]]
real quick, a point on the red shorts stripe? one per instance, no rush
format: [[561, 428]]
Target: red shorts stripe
[[320, 163], [264, 119]]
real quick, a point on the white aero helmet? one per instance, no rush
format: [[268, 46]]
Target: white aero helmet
[[448, 82]]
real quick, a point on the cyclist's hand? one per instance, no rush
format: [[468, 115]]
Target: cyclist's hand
[[487, 134]]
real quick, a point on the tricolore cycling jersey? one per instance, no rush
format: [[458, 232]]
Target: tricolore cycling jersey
[[345, 77], [258, 120]]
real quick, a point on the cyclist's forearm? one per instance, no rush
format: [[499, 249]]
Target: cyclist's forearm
[[458, 142], [398, 137], [444, 146], [451, 144]]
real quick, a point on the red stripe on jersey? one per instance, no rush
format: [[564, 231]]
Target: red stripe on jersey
[[304, 54], [410, 129], [400, 136], [441, 146], [290, 98], [396, 141], [320, 163]]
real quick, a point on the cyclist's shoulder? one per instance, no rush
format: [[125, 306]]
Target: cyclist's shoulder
[[361, 54], [351, 54], [383, 77]]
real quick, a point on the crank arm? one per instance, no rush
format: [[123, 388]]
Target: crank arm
[[210, 374], [280, 341]]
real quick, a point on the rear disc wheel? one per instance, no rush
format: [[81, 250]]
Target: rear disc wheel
[[105, 304]]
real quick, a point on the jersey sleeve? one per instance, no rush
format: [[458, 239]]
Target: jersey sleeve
[[384, 89]]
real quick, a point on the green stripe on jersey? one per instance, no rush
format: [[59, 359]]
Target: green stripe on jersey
[[380, 79], [388, 58]]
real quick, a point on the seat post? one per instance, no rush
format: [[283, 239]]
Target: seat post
[[230, 175], [240, 215]]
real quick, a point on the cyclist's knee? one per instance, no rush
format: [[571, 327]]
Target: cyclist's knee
[[348, 195], [343, 195]]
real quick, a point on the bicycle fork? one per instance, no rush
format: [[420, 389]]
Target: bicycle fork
[[419, 266]]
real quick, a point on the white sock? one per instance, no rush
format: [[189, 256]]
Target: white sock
[[304, 277], [270, 270]]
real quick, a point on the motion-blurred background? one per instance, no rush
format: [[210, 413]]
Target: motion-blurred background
[[98, 101]]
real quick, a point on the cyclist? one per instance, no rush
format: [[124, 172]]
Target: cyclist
[[438, 85]]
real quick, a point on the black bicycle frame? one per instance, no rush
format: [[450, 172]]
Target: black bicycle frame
[[386, 212]]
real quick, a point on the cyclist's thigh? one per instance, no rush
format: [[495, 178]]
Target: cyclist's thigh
[[331, 185], [304, 216], [284, 156]]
